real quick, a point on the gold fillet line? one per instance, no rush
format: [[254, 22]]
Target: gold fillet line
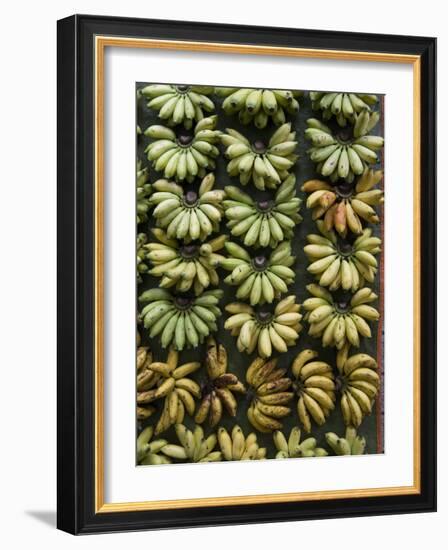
[[416, 273], [100, 43], [245, 49], [99, 278], [256, 499]]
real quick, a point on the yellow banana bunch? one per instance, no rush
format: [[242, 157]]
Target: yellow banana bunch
[[175, 388], [343, 154], [235, 446], [194, 446], [266, 165], [293, 448], [314, 386], [184, 266], [144, 190], [351, 444], [262, 278], [187, 215], [265, 330], [338, 263], [268, 391], [181, 320], [345, 207], [264, 222], [339, 322], [185, 156], [148, 451], [257, 105], [217, 392], [181, 104], [344, 106], [359, 382], [146, 379]]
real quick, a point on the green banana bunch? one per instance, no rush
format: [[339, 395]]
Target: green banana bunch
[[146, 379], [351, 444], [263, 329], [314, 386], [143, 192], [341, 155], [188, 215], [264, 222], [269, 395], [184, 266], [267, 165], [345, 206], [194, 446], [148, 452], [292, 448], [179, 104], [186, 156], [142, 266], [359, 382], [339, 322], [175, 388], [260, 279], [235, 446], [217, 391], [257, 105], [343, 106], [183, 321], [338, 263]]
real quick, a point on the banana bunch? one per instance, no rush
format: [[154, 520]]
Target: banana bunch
[[359, 382], [142, 266], [351, 444], [235, 446], [257, 105], [265, 330], [187, 215], [338, 263], [314, 386], [341, 154], [345, 206], [267, 165], [262, 278], [269, 395], [179, 104], [292, 448], [186, 156], [217, 391], [183, 321], [339, 322], [264, 222], [146, 379], [194, 446], [144, 190], [184, 266], [342, 105], [173, 386], [148, 451]]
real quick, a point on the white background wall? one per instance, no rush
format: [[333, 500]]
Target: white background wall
[[28, 277]]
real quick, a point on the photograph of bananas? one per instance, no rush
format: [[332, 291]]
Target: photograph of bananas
[[259, 229]]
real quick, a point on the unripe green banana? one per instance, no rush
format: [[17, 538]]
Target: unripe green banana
[[179, 104], [265, 164], [263, 330], [186, 155], [338, 154]]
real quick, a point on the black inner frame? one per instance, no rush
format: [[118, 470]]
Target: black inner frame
[[76, 473]]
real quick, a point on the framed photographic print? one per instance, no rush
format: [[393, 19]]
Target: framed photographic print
[[246, 269]]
